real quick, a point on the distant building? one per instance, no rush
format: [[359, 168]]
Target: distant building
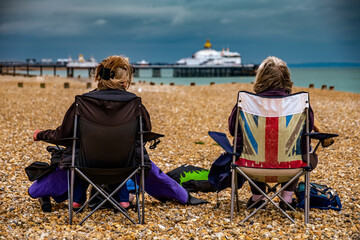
[[211, 57], [46, 60], [63, 60], [143, 63], [82, 63]]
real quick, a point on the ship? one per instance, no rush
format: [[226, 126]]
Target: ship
[[211, 63], [81, 62], [211, 57]]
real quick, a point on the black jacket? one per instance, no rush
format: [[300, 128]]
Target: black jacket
[[66, 129]]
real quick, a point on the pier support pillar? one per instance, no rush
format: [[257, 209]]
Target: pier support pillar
[[91, 71], [137, 72], [14, 71], [54, 71], [70, 72], [1, 70], [41, 71], [156, 72]]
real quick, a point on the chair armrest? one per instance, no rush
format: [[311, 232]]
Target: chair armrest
[[326, 139], [148, 136], [151, 136], [321, 136]]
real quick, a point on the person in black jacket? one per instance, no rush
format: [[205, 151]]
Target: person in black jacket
[[114, 75]]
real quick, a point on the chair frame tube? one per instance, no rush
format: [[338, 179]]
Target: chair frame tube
[[307, 174], [233, 171], [72, 174], [142, 180]]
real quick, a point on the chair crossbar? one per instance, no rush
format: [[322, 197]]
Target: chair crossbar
[[269, 198], [108, 197]]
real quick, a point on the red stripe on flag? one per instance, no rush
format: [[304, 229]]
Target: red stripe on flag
[[271, 140]]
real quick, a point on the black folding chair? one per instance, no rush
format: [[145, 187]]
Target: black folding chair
[[105, 135]]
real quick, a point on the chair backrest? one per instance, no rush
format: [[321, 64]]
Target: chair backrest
[[272, 128], [107, 132]]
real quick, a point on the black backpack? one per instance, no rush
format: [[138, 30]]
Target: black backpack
[[192, 178], [39, 169]]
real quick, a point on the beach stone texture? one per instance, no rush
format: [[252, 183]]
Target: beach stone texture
[[184, 114]]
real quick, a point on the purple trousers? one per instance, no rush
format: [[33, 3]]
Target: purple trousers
[[157, 184]]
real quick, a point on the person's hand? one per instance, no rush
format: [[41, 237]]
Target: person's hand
[[35, 134]]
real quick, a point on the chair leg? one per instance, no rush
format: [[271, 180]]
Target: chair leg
[[71, 194], [237, 199], [143, 195], [137, 199], [307, 197], [232, 194]]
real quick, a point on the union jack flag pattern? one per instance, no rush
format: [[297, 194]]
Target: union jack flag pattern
[[271, 141]]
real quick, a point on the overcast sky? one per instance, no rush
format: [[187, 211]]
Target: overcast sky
[[298, 31]]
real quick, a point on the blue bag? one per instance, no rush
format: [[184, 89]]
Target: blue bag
[[321, 197]]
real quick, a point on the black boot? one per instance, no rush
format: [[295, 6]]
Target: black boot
[[45, 204]]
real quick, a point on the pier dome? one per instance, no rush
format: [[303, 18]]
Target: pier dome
[[207, 45]]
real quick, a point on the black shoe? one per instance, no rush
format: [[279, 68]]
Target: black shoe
[[45, 204], [250, 202], [285, 207]]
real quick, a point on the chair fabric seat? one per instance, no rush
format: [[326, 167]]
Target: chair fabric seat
[[108, 175], [271, 175]]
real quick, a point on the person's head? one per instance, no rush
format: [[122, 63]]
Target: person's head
[[114, 72], [272, 73]]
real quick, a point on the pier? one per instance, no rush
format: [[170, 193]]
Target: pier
[[214, 71], [25, 68]]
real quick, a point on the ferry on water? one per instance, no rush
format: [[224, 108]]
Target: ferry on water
[[82, 63], [211, 63], [211, 57]]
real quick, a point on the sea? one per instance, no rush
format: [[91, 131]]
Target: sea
[[346, 79]]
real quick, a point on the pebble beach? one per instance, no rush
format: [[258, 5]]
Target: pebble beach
[[184, 114]]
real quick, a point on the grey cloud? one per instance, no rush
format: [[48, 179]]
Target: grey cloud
[[156, 27], [100, 22]]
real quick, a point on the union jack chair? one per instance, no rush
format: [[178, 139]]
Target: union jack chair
[[272, 129]]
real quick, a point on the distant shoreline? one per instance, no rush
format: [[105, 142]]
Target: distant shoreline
[[324, 65]]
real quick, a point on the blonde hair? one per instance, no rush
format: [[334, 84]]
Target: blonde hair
[[118, 73], [272, 73]]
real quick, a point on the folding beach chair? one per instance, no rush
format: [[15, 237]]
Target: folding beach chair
[[272, 130], [106, 139]]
